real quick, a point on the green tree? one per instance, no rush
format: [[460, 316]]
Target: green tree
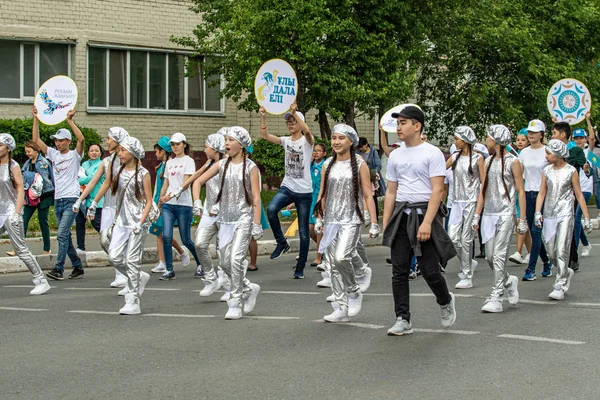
[[349, 56], [494, 61]]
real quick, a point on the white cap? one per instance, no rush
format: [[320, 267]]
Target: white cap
[[536, 126], [298, 114], [177, 138], [62, 133]]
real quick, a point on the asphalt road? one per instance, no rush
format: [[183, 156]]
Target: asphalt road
[[72, 344]]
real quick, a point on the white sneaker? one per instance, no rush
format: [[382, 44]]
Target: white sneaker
[[526, 259], [326, 281], [225, 296], [250, 299], [517, 258], [585, 252], [461, 275], [339, 314], [185, 258], [160, 268], [354, 303], [132, 305], [465, 283], [330, 298], [209, 288], [41, 286], [365, 281], [449, 312], [512, 290], [492, 305], [144, 279], [321, 267], [120, 280], [557, 293], [474, 265], [570, 274], [400, 328], [123, 292], [235, 309], [80, 253]]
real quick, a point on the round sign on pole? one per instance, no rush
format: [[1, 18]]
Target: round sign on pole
[[275, 86], [569, 100], [55, 98], [389, 123]]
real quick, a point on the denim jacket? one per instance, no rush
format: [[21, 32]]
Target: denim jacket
[[44, 168]]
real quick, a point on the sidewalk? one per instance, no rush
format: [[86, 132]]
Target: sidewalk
[[96, 257]]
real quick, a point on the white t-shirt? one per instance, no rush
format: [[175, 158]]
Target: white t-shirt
[[66, 171], [533, 161], [412, 167], [586, 183], [449, 180], [298, 156], [175, 172]]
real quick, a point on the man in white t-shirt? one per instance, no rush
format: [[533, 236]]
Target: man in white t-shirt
[[411, 219], [297, 184], [65, 164]]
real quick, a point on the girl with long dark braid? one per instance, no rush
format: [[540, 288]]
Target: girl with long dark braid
[[503, 180], [345, 186], [468, 168]]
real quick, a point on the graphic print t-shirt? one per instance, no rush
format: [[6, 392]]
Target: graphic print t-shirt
[[298, 155], [66, 170], [175, 172]]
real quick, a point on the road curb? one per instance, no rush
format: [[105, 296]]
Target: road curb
[[93, 259]]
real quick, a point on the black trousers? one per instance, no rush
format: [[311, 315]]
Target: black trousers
[[80, 221], [573, 256], [429, 263]]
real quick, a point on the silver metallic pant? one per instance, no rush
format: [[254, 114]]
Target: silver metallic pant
[[17, 239], [462, 236], [232, 260], [127, 259], [105, 240], [360, 261], [202, 242], [559, 249], [339, 254], [496, 253]]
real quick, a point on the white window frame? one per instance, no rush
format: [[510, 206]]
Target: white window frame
[[148, 110], [36, 68]]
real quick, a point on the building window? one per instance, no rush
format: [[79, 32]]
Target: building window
[[148, 81], [24, 66]]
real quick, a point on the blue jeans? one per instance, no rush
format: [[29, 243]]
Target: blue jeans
[[184, 216], [63, 208], [579, 232], [537, 245], [283, 198]]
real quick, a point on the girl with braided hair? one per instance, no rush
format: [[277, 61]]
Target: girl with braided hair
[[133, 190], [103, 205], [467, 168], [344, 187], [503, 180], [239, 216], [12, 199]]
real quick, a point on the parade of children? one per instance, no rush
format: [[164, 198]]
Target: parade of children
[[505, 188]]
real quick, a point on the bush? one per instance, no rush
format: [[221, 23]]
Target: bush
[[21, 131], [271, 157]]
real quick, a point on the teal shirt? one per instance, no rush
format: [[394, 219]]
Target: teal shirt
[[159, 182], [90, 167]]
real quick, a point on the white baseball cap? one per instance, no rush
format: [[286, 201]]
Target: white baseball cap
[[62, 133], [536, 126], [177, 138], [298, 114]]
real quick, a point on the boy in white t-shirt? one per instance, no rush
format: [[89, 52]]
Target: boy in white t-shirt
[[65, 164], [297, 184], [411, 219]]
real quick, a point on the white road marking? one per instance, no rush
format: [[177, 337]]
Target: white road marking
[[286, 292], [273, 318], [545, 303], [93, 312], [453, 332], [585, 304], [90, 288], [180, 315], [23, 309], [357, 324], [162, 289], [19, 286], [540, 339]]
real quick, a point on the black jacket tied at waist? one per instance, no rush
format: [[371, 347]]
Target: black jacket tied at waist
[[439, 236]]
